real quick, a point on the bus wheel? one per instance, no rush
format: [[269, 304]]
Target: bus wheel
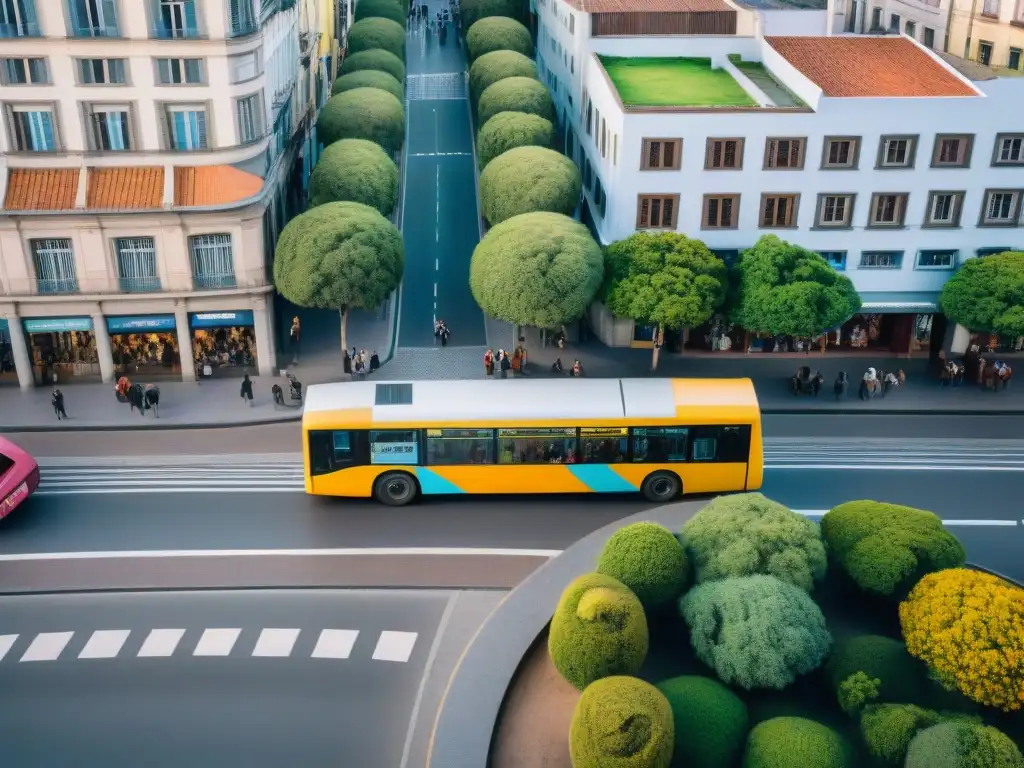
[[396, 489], [661, 487]]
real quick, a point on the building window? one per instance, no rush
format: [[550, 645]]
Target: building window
[[894, 22], [245, 66], [1009, 149], [911, 30], [18, 19], [952, 151], [984, 52], [896, 151], [213, 264], [243, 18], [724, 154], [250, 119], [990, 8], [661, 155], [888, 210], [1013, 60], [174, 19], [23, 72], [834, 210], [720, 212], [1002, 208], [944, 209], [572, 24], [835, 259], [784, 154], [179, 71], [33, 128], [779, 211], [136, 264], [186, 127], [876, 19], [1018, 14], [55, 266], [881, 260], [657, 211], [102, 72], [936, 259], [840, 152], [109, 127], [929, 37], [93, 18]]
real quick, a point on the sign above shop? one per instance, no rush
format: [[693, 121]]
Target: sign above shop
[[58, 324], [129, 324], [221, 319]]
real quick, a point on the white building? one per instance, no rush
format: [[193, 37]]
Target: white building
[[146, 163], [926, 21]]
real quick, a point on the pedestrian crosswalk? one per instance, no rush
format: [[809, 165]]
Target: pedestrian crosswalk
[[216, 642], [446, 85]]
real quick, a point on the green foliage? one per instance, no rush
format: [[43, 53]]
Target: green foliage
[[857, 691], [787, 742], [529, 179], [711, 722], [383, 9], [888, 729], [358, 171], [902, 677], [963, 745], [363, 113], [665, 279], [755, 631], [377, 34], [747, 534], [508, 130], [498, 65], [886, 548], [538, 269], [648, 559], [474, 10], [369, 78], [374, 60], [339, 256], [498, 33], [987, 294], [599, 629], [621, 722], [784, 289], [515, 94]]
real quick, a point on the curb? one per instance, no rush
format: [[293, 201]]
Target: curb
[[892, 412], [142, 428]]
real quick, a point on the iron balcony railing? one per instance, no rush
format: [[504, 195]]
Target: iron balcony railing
[[112, 286], [162, 31], [20, 29], [139, 284], [214, 281], [57, 285]]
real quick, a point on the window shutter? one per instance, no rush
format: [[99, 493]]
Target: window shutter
[[668, 155], [166, 134], [668, 212], [191, 26], [109, 12], [193, 70], [201, 127], [712, 215], [645, 211], [726, 218], [768, 216], [794, 153]]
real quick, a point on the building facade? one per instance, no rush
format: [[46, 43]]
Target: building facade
[[989, 32], [926, 21]]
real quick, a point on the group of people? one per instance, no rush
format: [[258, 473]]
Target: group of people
[[358, 363], [439, 21], [575, 371], [879, 382]]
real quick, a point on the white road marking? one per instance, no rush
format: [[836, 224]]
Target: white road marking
[[335, 644], [47, 646], [6, 643], [217, 642], [161, 643], [105, 644], [357, 552], [979, 523], [441, 154], [395, 646], [276, 643]]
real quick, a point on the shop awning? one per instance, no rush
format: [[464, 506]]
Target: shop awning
[[881, 302]]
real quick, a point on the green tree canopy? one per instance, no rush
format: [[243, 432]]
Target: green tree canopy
[[528, 179], [785, 289], [621, 722], [474, 10], [369, 78], [363, 113], [537, 269], [375, 59], [711, 721], [498, 33], [358, 171], [664, 279], [648, 559], [508, 130], [383, 9], [377, 34], [987, 294], [515, 94], [339, 256], [498, 65], [963, 745], [786, 742]]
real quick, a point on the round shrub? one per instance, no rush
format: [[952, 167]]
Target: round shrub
[[498, 65], [377, 34], [498, 33], [374, 60], [358, 171], [474, 10], [963, 745], [786, 742], [888, 729], [621, 722], [711, 722], [515, 94], [369, 78], [599, 629], [382, 9], [363, 113], [648, 559], [903, 678], [747, 534], [755, 631], [966, 626], [886, 548], [508, 130], [526, 180]]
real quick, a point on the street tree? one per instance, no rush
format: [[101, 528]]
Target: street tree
[[340, 256], [783, 289], [357, 171], [508, 130], [363, 113], [537, 269], [498, 65], [369, 78], [498, 33], [472, 11], [987, 294], [528, 179], [664, 279], [377, 34], [515, 94], [382, 9], [375, 59]]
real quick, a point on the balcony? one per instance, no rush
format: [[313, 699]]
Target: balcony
[[139, 284], [214, 281], [177, 283], [95, 30], [21, 29], [58, 285], [163, 31]]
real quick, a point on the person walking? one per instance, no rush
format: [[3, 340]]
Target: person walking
[[504, 363], [57, 401], [247, 389], [293, 340], [374, 361], [489, 364]]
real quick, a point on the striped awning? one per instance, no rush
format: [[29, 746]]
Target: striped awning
[[881, 302]]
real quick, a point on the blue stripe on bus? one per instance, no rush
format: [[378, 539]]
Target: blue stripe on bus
[[432, 483], [601, 478]]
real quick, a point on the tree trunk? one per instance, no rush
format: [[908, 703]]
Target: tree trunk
[[659, 338], [515, 336], [344, 331]]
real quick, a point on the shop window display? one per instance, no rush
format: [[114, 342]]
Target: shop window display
[[146, 354], [60, 357], [8, 373], [224, 351]]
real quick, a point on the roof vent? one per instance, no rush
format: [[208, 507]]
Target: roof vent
[[393, 394]]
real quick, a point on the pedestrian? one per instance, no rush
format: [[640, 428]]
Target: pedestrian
[[489, 363], [293, 340], [346, 364], [445, 335], [57, 401], [247, 389], [359, 366], [504, 363], [374, 362]]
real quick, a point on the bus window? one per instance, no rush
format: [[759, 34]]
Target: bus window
[[330, 451], [394, 446], [660, 445], [603, 445], [728, 445], [460, 446], [537, 446]]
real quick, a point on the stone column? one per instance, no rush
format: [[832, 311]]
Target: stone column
[[103, 350], [266, 350], [22, 358], [184, 332]]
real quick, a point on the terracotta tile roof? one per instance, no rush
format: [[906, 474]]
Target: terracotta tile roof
[[125, 189], [41, 189], [869, 66], [213, 185], [648, 6]]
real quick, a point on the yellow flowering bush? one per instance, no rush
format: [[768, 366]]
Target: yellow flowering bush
[[968, 627]]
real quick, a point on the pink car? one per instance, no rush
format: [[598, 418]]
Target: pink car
[[19, 476]]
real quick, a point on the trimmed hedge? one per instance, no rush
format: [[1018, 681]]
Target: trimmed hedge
[[508, 130], [886, 548], [358, 171], [515, 94], [649, 560], [888, 729], [527, 180], [369, 78], [498, 65], [377, 34], [787, 742], [598, 630], [474, 10], [374, 60], [711, 722], [963, 745], [621, 722], [498, 33], [903, 678], [363, 113], [382, 9]]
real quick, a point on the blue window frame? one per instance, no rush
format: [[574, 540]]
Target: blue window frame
[[835, 259], [243, 18], [937, 259], [174, 19], [93, 18], [187, 128], [213, 263], [110, 128], [33, 129], [881, 260], [55, 266], [18, 19], [136, 264]]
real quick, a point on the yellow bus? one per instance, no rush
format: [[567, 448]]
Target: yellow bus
[[396, 441]]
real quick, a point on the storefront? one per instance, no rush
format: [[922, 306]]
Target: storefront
[[224, 343], [145, 346], [8, 372], [63, 350], [898, 323]]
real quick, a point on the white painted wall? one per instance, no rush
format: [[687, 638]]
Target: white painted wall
[[856, 16], [795, 22]]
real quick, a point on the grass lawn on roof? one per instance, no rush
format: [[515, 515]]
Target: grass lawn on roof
[[674, 82]]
